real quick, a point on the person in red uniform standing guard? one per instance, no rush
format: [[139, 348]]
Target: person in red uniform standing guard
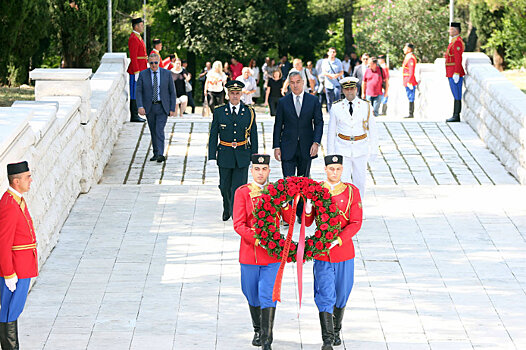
[[454, 70], [334, 272], [409, 80], [139, 62], [258, 269], [157, 47], [18, 253]]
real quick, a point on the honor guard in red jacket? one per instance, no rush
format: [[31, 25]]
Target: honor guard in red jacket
[[408, 74], [258, 269], [138, 62], [18, 253], [157, 47], [334, 273], [454, 70]]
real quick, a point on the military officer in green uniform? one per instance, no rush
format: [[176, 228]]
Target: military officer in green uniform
[[233, 139]]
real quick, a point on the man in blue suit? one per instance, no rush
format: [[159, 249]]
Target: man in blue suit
[[297, 130], [155, 93]]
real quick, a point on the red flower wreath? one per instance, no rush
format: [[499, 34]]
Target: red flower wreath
[[281, 191]]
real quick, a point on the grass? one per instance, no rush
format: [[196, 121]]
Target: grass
[[517, 77], [10, 94]]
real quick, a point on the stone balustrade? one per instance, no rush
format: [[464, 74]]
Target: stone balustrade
[[67, 136]]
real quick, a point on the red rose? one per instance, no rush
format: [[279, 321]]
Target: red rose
[[275, 256], [310, 242], [317, 234], [322, 210], [324, 227], [318, 187], [291, 192], [280, 181], [332, 208], [324, 217], [292, 246], [327, 245], [264, 234], [333, 221], [265, 198], [314, 198], [272, 228], [263, 242], [281, 187], [276, 201], [270, 219], [281, 242], [283, 198], [258, 231], [289, 259], [272, 191], [272, 211], [326, 195], [319, 203], [309, 253], [271, 245], [329, 235], [261, 214], [276, 235], [259, 205], [319, 245], [335, 232], [267, 206]]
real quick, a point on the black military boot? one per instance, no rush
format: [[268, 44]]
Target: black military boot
[[3, 336], [337, 318], [255, 313], [411, 110], [456, 112], [267, 323], [327, 330], [12, 336], [134, 114]]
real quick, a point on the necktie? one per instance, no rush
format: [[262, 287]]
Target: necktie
[[155, 88], [234, 111], [298, 106], [350, 107]]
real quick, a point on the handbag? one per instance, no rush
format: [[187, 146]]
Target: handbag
[[188, 86]]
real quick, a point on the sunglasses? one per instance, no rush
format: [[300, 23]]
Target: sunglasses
[[154, 62]]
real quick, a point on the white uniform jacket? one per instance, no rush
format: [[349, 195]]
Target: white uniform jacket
[[361, 122]]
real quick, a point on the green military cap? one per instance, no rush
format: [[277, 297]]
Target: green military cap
[[234, 85]]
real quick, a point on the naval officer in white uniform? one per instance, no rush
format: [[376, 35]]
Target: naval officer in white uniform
[[352, 133]]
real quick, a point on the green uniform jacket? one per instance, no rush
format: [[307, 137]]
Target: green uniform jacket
[[233, 129]]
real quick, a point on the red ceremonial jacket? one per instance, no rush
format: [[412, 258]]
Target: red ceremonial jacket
[[137, 52], [245, 200], [161, 62], [347, 198], [408, 69], [167, 63], [18, 245], [453, 56]]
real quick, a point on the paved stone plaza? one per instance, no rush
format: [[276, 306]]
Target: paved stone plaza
[[144, 262]]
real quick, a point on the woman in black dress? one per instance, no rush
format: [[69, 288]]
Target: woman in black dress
[[180, 77], [273, 93]]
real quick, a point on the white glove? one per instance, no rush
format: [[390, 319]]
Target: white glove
[[308, 207], [284, 204], [11, 283], [410, 86], [456, 77], [211, 162], [136, 76], [335, 243]]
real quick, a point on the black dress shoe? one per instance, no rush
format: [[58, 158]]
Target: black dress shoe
[[154, 158], [226, 216], [161, 159], [137, 120]]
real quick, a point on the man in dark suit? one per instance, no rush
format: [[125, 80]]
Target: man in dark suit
[[235, 125], [359, 71], [297, 130], [156, 99]]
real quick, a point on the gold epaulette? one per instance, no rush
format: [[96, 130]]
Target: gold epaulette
[[341, 99], [223, 105]]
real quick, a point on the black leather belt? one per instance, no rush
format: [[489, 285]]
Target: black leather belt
[[156, 102]]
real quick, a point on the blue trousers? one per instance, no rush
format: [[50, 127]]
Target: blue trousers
[[156, 122], [456, 89], [12, 303], [410, 93], [132, 86], [332, 95], [332, 284], [375, 100], [257, 283]]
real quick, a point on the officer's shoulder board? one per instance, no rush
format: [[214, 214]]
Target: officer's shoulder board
[[223, 105], [369, 102], [335, 102]]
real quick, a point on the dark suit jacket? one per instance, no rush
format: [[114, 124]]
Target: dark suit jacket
[[288, 128], [144, 90], [232, 129], [358, 72]]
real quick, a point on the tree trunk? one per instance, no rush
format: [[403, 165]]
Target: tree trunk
[[498, 58], [347, 29], [192, 69]]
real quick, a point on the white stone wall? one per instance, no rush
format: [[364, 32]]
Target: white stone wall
[[66, 135], [496, 110]]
